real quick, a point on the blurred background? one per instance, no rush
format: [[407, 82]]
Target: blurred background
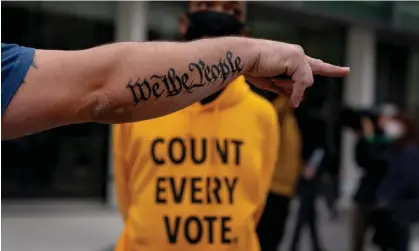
[[57, 186]]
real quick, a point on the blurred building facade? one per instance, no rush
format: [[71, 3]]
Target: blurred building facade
[[379, 40]]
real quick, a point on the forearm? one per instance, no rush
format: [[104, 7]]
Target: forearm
[[122, 82], [153, 79], [136, 81]]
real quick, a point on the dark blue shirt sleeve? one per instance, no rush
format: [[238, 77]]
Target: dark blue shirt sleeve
[[15, 63]]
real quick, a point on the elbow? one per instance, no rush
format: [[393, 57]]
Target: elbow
[[100, 108], [104, 103], [106, 107], [93, 105], [109, 101]]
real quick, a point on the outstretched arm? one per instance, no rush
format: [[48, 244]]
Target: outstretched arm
[[132, 81], [121, 82]]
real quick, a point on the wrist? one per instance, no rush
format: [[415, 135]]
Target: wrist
[[248, 49]]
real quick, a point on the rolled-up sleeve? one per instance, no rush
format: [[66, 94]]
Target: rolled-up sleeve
[[15, 63]]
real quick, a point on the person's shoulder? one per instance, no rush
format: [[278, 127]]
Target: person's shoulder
[[122, 126], [127, 132], [160, 123], [121, 129], [261, 106], [259, 102], [131, 126]]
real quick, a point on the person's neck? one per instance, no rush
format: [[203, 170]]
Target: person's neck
[[211, 98]]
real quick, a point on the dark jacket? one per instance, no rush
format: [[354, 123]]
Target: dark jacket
[[400, 187], [370, 157], [313, 133], [397, 198]]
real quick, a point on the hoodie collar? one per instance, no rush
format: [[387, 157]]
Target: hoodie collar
[[231, 96]]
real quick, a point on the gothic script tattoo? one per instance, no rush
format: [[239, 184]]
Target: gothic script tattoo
[[172, 84]]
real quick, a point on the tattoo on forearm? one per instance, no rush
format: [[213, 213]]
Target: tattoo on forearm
[[172, 84]]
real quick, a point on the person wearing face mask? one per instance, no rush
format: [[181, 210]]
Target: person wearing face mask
[[398, 194], [197, 179], [207, 19], [370, 149]]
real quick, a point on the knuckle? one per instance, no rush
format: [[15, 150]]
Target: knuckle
[[318, 61], [299, 48], [296, 54], [310, 81]]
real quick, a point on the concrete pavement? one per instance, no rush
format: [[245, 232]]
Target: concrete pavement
[[96, 228], [335, 234]]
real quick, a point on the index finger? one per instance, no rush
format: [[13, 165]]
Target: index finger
[[325, 69]]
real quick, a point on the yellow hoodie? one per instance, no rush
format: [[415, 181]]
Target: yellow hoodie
[[289, 162], [197, 179]]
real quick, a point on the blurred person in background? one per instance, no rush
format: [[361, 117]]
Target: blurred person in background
[[271, 228], [313, 156], [398, 193], [371, 146], [198, 179]]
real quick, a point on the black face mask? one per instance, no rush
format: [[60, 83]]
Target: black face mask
[[212, 24]]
